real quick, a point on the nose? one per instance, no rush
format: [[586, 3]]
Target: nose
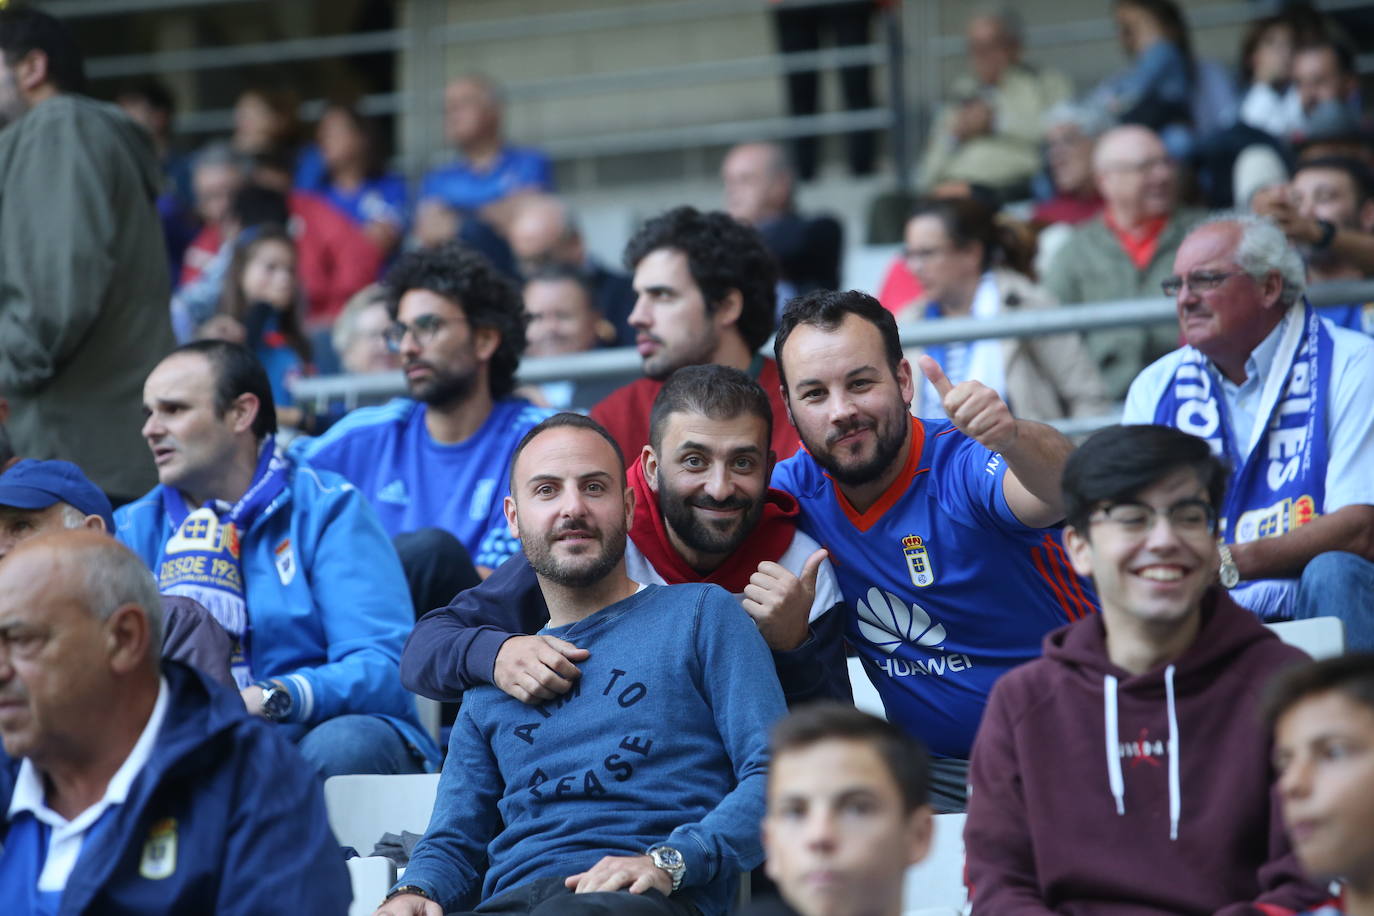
[[718, 485], [1161, 535], [639, 315], [842, 408], [408, 346], [152, 428], [573, 504], [1295, 781], [819, 831]]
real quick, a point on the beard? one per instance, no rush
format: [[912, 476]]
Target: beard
[[442, 388], [713, 536], [891, 435], [579, 571]]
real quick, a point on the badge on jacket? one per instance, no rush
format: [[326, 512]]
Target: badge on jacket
[[160, 852], [286, 562]]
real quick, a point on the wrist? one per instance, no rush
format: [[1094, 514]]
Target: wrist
[[671, 862]]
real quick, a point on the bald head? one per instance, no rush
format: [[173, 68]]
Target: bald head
[[1134, 174], [543, 231], [472, 112], [758, 182]]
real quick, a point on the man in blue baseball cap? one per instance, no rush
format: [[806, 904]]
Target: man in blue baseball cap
[[37, 497]]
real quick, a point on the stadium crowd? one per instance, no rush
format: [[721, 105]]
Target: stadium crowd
[[642, 604]]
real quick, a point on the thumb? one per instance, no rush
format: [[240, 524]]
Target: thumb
[[932, 370], [568, 650], [812, 568]]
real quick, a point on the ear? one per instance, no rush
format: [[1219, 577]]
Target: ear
[[94, 523], [649, 464], [244, 411], [1364, 216], [1272, 289], [485, 341], [127, 637], [32, 71], [920, 833], [904, 383], [728, 310], [629, 508], [1080, 550], [512, 522]]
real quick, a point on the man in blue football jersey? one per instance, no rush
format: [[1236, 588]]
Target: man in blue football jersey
[[937, 528]]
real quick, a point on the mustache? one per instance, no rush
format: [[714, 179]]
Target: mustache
[[574, 527], [706, 502], [839, 431]]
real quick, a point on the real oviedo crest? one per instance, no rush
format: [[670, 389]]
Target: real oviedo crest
[[918, 561]]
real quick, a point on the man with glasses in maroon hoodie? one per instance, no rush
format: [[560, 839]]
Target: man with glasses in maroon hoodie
[[1127, 772]]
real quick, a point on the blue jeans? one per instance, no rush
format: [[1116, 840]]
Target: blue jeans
[[1340, 584], [355, 744]]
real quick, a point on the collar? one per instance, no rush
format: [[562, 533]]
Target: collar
[[29, 794], [1261, 359]]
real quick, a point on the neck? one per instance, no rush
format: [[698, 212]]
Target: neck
[[231, 483], [1137, 647], [863, 496], [959, 301], [1127, 218], [732, 351], [454, 423], [40, 94], [483, 151], [80, 780], [568, 604]]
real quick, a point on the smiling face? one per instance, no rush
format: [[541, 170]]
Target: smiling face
[[1151, 574], [269, 274], [672, 324], [711, 477], [837, 834], [1324, 751], [569, 506]]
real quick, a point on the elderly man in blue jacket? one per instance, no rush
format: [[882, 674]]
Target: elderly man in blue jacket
[[130, 789], [292, 562]]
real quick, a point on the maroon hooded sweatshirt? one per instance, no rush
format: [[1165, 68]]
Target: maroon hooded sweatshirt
[[1095, 791]]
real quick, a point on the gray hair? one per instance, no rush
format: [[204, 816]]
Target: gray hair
[[1263, 247], [218, 153], [346, 325], [116, 577], [1091, 122]]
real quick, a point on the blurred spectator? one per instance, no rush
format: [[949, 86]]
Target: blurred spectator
[[561, 319], [360, 333], [261, 306], [1324, 74], [800, 27], [356, 183], [265, 121], [489, 171], [150, 104], [1125, 252], [969, 265], [1071, 131], [759, 187], [990, 133], [83, 273], [1271, 102], [7, 454], [543, 232], [707, 294], [216, 174], [1328, 212]]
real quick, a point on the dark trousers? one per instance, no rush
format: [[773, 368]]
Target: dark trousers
[[800, 29], [437, 567], [548, 897]]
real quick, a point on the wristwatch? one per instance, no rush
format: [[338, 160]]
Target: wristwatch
[[276, 701], [671, 861], [409, 889], [1229, 574]]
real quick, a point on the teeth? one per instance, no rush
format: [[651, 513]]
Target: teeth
[[1161, 573]]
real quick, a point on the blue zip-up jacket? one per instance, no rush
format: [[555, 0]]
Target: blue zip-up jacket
[[228, 801], [327, 601]]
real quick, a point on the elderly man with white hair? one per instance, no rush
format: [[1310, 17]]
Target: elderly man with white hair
[[1284, 396]]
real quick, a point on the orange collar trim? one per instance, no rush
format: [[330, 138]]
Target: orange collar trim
[[910, 471]]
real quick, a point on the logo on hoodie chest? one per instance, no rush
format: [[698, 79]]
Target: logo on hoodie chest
[[1144, 751]]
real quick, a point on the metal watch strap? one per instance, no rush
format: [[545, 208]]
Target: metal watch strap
[[1228, 574], [409, 889]]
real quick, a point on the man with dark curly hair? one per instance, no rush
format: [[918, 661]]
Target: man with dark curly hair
[[706, 293], [435, 464]]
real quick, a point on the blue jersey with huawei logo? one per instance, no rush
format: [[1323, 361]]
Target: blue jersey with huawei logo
[[946, 589]]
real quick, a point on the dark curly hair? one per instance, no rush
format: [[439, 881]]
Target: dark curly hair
[[487, 299], [723, 254]]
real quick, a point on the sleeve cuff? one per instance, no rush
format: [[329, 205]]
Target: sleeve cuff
[[480, 662]]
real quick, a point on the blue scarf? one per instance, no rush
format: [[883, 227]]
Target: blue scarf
[[1280, 482], [202, 559]]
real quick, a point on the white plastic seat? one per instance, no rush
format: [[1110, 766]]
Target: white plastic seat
[[1319, 637], [372, 877], [362, 808], [935, 885], [866, 696]]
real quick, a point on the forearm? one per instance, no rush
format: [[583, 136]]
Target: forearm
[[1035, 466], [816, 669], [1350, 529]]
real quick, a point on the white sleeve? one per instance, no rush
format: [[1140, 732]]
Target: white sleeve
[[1350, 422]]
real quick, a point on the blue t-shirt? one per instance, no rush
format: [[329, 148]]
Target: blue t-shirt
[[381, 199], [414, 482], [464, 188], [1357, 316], [947, 590]]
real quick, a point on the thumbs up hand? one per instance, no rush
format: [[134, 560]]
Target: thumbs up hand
[[780, 602], [977, 410]]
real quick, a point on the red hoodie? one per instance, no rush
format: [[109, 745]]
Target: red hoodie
[[1079, 805]]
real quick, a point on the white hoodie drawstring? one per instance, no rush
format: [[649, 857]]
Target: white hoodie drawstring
[[1113, 744], [1175, 793]]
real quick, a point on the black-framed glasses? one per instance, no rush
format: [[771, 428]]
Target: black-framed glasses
[[424, 328], [1190, 516], [1199, 281]]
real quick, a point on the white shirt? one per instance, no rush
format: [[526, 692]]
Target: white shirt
[[64, 842], [1349, 428]]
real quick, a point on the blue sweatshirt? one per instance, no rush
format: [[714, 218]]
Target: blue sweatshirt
[[663, 740]]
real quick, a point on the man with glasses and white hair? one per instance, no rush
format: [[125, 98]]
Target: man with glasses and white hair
[[1284, 396]]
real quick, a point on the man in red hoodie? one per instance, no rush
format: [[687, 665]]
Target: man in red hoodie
[[1181, 816]]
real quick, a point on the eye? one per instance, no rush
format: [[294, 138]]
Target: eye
[[544, 489], [693, 462], [813, 394], [595, 486], [744, 464]]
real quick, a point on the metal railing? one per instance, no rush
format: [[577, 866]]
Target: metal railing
[[624, 363]]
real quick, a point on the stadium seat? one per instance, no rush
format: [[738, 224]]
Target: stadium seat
[[362, 808], [372, 877], [431, 715], [1319, 637], [935, 886]]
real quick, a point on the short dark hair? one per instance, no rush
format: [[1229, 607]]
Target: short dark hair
[[253, 205], [24, 29], [555, 272], [826, 309], [723, 254], [967, 220], [237, 372], [154, 92], [828, 720], [486, 297], [1118, 462], [1344, 54], [1359, 174], [565, 420], [714, 391], [1351, 675]]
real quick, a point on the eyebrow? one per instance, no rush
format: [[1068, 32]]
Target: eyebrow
[[658, 289], [690, 446], [860, 370], [555, 478], [165, 402]]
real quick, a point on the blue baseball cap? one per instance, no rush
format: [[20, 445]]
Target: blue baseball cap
[[34, 484]]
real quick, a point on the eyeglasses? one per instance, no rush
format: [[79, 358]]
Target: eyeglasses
[[1199, 281], [1139, 168], [424, 328], [924, 254], [1189, 517]]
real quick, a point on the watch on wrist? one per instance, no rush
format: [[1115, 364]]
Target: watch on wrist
[[671, 861], [1229, 574], [409, 889], [276, 701]]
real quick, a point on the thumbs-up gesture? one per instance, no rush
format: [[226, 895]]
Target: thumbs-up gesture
[[977, 410], [780, 602]]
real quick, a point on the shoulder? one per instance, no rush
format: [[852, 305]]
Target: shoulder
[[139, 515], [311, 487], [1147, 387], [517, 416], [1025, 686], [363, 423], [1349, 347], [1020, 291], [801, 476]]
